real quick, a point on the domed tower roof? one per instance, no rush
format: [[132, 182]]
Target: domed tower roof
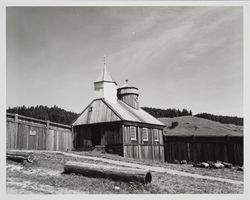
[[126, 85], [132, 89]]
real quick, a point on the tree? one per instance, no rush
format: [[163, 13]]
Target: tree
[[222, 119], [157, 112], [54, 114]]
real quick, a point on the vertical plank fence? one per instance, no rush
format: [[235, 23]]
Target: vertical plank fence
[[26, 133], [204, 148]]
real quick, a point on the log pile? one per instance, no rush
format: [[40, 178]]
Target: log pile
[[183, 162], [214, 165], [218, 165], [106, 171], [20, 156], [201, 165], [240, 169], [227, 165]]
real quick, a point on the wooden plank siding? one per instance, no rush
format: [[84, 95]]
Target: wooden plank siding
[[86, 137], [131, 100], [129, 95], [11, 137], [143, 150], [198, 149], [32, 134], [97, 112]]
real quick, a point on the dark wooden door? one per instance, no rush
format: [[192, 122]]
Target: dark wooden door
[[96, 136]]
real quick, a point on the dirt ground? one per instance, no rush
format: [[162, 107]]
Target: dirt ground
[[45, 176]]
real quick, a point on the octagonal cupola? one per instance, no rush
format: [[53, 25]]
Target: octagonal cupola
[[129, 95]]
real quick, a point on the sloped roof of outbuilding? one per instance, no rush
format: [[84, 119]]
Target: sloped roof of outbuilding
[[104, 111], [191, 125]]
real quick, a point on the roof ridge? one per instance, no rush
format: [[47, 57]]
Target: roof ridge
[[121, 102], [151, 115], [110, 106]]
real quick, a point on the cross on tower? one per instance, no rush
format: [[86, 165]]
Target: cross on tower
[[104, 60]]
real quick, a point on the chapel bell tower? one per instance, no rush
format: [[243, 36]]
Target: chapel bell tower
[[105, 87]]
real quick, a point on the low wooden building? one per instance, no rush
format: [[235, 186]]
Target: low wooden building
[[114, 121], [204, 148], [199, 140]]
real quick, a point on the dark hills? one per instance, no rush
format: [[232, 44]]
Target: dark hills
[[54, 114], [59, 115]]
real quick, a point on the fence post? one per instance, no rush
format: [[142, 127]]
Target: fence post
[[139, 142], [16, 132], [194, 150], [188, 152], [72, 138], [37, 135], [124, 141], [152, 143], [47, 135]]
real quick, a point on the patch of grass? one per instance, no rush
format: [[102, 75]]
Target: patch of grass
[[56, 162], [222, 173], [187, 125], [161, 182], [81, 183], [177, 185]]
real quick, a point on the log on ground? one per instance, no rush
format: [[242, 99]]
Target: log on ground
[[20, 156], [105, 171]]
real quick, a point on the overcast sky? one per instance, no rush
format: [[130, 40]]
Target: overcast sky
[[178, 57]]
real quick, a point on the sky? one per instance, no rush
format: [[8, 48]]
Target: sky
[[178, 57]]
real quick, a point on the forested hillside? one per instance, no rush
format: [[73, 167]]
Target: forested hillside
[[222, 119], [60, 115], [54, 114], [158, 112]]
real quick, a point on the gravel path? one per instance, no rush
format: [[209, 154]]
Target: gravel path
[[145, 167]]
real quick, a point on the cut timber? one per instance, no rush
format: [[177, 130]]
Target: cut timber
[[105, 171], [20, 156], [227, 165], [100, 148], [240, 169]]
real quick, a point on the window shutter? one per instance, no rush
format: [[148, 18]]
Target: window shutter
[[156, 135], [144, 134], [133, 133]]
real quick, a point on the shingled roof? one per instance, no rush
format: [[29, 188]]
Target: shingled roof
[[101, 110]]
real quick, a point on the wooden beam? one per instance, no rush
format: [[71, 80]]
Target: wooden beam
[[20, 156], [106, 171]]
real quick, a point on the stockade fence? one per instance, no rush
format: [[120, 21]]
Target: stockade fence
[[26, 133], [204, 148]]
